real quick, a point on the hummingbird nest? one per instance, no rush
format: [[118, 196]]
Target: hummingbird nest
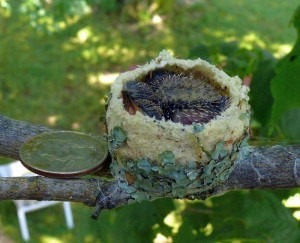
[[175, 127]]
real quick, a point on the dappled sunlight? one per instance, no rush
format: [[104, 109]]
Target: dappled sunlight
[[207, 230], [116, 50], [293, 202], [52, 120], [251, 40], [296, 215], [75, 125], [160, 238], [184, 209], [104, 44], [174, 218], [48, 22], [248, 41], [42, 14], [5, 9], [157, 20], [83, 34], [108, 78], [50, 239], [281, 50], [102, 79]]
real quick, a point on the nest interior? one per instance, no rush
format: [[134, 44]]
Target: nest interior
[[184, 97]]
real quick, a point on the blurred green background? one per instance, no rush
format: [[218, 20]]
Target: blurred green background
[[58, 59]]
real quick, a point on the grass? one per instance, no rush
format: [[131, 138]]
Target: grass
[[54, 76]]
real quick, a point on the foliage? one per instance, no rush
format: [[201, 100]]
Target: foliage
[[286, 110], [54, 53]]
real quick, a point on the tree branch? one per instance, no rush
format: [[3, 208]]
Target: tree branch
[[90, 191], [14, 133], [268, 167], [274, 167]]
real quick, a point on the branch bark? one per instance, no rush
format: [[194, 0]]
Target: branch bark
[[14, 133], [274, 167]]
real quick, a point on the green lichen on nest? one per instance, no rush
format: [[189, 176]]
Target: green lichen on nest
[[116, 139], [146, 180]]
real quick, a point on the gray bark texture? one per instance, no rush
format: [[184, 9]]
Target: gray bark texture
[[14, 133], [267, 167]]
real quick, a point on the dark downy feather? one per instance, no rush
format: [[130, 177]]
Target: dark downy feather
[[175, 97]]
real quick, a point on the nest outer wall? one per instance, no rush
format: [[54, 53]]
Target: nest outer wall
[[154, 156]]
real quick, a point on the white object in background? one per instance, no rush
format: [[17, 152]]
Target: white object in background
[[16, 169]]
